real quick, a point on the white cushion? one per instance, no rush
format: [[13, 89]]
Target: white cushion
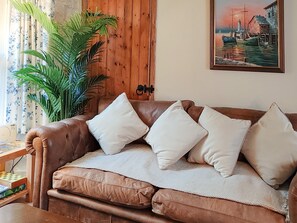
[[173, 134], [271, 147], [224, 141], [117, 126]]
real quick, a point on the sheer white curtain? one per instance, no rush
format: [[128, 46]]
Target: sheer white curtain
[[4, 19], [24, 33]]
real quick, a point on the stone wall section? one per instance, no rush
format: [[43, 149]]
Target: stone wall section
[[65, 8]]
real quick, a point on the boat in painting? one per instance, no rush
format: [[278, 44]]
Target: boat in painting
[[242, 34], [250, 41], [232, 38], [228, 39]]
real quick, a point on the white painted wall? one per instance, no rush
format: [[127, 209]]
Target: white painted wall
[[182, 62]]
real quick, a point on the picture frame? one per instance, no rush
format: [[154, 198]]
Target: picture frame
[[247, 35]]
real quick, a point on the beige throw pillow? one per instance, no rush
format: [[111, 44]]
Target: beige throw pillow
[[271, 147], [117, 126], [173, 135], [224, 141]]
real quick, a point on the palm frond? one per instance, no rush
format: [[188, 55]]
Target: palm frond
[[86, 57], [60, 74], [42, 55], [31, 9], [43, 102]]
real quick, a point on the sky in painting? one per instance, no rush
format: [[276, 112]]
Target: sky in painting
[[223, 11]]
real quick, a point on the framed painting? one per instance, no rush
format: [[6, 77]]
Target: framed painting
[[247, 35]]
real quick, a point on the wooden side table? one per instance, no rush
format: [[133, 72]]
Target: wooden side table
[[11, 152], [23, 213]]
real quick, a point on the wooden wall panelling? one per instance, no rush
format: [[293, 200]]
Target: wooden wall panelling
[[144, 49], [94, 70], [119, 79], [128, 58], [135, 48], [100, 66], [127, 46], [84, 4], [111, 52], [103, 6]]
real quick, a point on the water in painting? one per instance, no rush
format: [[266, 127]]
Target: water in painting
[[246, 33]]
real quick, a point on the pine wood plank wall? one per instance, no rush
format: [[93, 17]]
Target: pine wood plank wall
[[129, 52]]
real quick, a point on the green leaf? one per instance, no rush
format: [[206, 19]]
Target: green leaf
[[30, 9], [61, 73]]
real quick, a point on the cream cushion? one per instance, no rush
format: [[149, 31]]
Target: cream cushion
[[224, 141], [173, 134], [117, 126], [271, 147]]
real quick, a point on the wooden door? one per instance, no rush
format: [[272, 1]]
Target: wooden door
[[128, 58]]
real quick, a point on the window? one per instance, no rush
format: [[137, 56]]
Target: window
[[4, 10]]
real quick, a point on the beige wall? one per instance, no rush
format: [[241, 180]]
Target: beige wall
[[65, 8], [182, 63]]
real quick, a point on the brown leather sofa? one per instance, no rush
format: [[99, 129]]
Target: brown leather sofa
[[58, 143]]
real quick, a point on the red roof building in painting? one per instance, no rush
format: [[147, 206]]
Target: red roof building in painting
[[265, 27], [258, 25]]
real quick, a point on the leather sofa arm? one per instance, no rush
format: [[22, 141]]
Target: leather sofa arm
[[293, 200], [53, 146]]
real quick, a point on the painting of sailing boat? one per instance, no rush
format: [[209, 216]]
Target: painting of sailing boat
[[247, 35]]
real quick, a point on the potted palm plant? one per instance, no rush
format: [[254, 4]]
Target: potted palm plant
[[60, 76]]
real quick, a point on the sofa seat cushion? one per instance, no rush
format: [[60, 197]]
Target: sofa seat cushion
[[104, 186], [189, 208]]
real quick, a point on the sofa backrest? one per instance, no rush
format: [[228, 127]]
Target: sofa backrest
[[148, 111], [239, 113]]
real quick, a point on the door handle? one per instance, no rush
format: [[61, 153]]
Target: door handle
[[144, 89]]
